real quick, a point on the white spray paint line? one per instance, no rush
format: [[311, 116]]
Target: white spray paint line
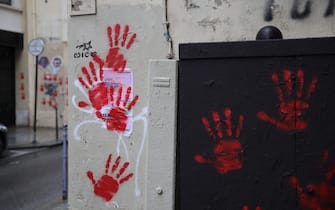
[[75, 131], [118, 145], [141, 116], [125, 149], [80, 87], [120, 140]]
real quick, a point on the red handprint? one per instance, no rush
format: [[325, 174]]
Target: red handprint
[[116, 116], [108, 184], [227, 153], [317, 196], [291, 109], [247, 208], [115, 59], [112, 110]]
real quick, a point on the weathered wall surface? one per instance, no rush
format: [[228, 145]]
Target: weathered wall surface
[[238, 20], [13, 16], [113, 163], [47, 20], [105, 147]]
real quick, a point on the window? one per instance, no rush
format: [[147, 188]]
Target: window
[[5, 2]]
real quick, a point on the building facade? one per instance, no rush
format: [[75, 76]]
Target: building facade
[[24, 21], [123, 88], [111, 70]]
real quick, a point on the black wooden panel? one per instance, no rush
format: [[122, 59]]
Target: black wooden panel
[[264, 48], [273, 153]]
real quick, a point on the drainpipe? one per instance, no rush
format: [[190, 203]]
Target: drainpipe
[[170, 54]]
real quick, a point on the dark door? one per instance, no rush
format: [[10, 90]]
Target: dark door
[[256, 125], [7, 86]]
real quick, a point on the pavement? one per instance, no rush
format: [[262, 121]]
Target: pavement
[[23, 141], [26, 138]]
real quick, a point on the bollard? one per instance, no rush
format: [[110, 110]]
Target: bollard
[[65, 165]]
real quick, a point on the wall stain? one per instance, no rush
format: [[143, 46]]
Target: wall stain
[[330, 8], [190, 5], [218, 2], [296, 14], [221, 2], [300, 9], [209, 22], [227, 2]]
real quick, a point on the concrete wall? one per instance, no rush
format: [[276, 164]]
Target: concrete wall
[[47, 20], [95, 135], [92, 139], [13, 16], [227, 20]]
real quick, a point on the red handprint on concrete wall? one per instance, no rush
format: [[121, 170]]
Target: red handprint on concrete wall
[[292, 102], [22, 89], [317, 196], [115, 59], [108, 184], [227, 152], [109, 105]]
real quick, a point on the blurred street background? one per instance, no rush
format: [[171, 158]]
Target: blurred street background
[[31, 174]]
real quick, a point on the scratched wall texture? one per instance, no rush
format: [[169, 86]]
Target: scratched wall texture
[[249, 102], [108, 165], [280, 154], [238, 20]]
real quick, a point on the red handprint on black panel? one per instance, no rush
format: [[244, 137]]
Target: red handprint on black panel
[[108, 184], [247, 208], [227, 152], [317, 196], [110, 106], [293, 102]]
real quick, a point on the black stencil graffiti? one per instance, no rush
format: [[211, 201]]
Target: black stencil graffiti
[[330, 9], [300, 9], [85, 50], [85, 46], [268, 10], [296, 14]]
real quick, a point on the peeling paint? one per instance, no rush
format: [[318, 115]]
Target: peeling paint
[[218, 2], [209, 22], [190, 5], [227, 2]]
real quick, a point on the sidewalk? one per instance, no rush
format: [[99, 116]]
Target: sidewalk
[[23, 137], [21, 140]]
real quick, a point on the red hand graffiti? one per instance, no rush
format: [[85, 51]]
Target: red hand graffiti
[[23, 95], [108, 184], [291, 109], [115, 59], [116, 117], [227, 153], [110, 107], [317, 196], [247, 208]]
